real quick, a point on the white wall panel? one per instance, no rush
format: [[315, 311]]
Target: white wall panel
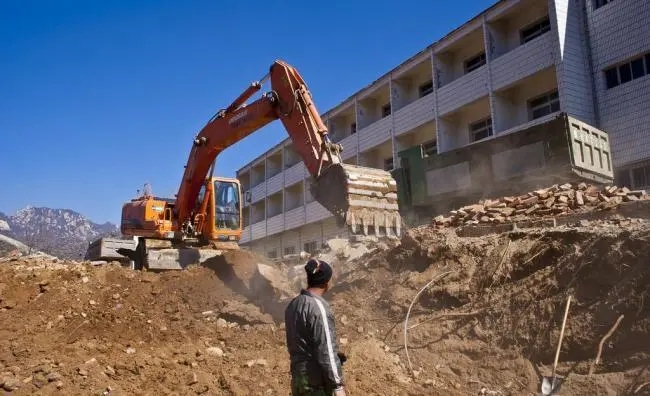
[[620, 31]]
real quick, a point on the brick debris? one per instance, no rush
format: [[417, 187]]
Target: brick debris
[[554, 201]]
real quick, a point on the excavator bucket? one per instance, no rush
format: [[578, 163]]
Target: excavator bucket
[[361, 198]]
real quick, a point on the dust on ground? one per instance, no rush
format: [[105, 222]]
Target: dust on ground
[[489, 326]]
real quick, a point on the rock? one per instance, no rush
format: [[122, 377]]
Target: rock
[[10, 384], [214, 351], [110, 371], [221, 322], [53, 376], [244, 313], [256, 362], [193, 379], [43, 285]]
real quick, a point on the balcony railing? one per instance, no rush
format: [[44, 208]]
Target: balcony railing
[[294, 174], [463, 90], [275, 183], [275, 224], [523, 61], [375, 134], [258, 230], [414, 114]]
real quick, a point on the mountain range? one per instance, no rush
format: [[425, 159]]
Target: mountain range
[[60, 232]]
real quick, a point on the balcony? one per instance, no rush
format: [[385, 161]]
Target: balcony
[[523, 61], [375, 134], [275, 224], [275, 183], [258, 230], [294, 174], [316, 212], [294, 218], [414, 114], [258, 192], [463, 90]]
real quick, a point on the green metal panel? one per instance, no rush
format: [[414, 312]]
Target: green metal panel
[[558, 150], [413, 164]]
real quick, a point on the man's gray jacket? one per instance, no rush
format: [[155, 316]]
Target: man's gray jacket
[[311, 340]]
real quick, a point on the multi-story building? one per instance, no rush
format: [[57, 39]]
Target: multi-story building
[[516, 64]]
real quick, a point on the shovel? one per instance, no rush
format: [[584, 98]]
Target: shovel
[[552, 384]]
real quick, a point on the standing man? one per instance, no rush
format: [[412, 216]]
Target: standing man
[[311, 337]]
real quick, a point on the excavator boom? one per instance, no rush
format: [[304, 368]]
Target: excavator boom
[[207, 209], [357, 196]]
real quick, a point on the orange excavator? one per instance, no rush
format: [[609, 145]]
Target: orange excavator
[[206, 215]]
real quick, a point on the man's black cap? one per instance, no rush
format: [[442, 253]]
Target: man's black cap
[[319, 272]]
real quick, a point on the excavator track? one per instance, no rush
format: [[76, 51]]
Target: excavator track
[[158, 255], [362, 198]]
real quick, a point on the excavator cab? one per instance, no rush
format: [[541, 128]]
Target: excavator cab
[[221, 197]]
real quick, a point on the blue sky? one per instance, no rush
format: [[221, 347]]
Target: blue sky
[[97, 98]]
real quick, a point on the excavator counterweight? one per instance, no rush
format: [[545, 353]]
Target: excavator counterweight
[[206, 215]]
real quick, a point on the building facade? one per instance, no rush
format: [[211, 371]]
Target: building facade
[[516, 64]]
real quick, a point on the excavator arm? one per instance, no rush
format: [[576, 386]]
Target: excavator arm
[[356, 196]]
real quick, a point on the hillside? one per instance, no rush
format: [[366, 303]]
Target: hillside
[[60, 232]]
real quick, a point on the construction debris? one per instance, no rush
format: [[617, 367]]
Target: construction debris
[[217, 328], [555, 201]]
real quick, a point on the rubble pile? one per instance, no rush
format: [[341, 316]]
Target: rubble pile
[[554, 201]]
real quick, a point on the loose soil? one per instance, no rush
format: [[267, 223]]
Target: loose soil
[[489, 326]]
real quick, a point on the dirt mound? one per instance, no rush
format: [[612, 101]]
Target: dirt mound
[[493, 321], [489, 325]]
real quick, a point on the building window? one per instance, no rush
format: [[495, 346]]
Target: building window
[[480, 129], [385, 110], [544, 105], [430, 148], [289, 250], [426, 88], [535, 30], [600, 3], [388, 164], [474, 63], [353, 128], [631, 70], [272, 254], [310, 247]]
